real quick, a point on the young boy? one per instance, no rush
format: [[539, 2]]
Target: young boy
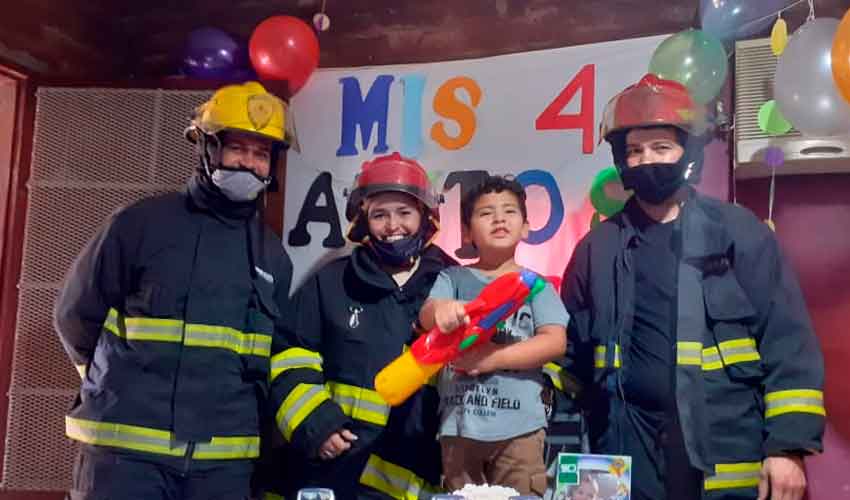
[[492, 417]]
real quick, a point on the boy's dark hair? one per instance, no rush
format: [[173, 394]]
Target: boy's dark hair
[[492, 184]]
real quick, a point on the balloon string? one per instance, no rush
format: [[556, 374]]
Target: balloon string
[[780, 11], [772, 189], [778, 14]]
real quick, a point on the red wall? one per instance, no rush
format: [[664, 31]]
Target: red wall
[[812, 216]]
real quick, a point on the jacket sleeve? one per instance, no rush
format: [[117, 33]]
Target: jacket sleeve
[[576, 297], [304, 411], [97, 281], [790, 354]]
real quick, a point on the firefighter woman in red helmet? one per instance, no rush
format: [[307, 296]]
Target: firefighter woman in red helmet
[[687, 328], [352, 318]]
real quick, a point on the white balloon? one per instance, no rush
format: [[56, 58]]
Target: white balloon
[[804, 88]]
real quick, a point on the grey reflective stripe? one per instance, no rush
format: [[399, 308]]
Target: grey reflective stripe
[[794, 401], [123, 436], [600, 357], [248, 449], [711, 359], [740, 475], [228, 338], [356, 404], [196, 335], [689, 353], [399, 487], [301, 362], [300, 402], [155, 332]]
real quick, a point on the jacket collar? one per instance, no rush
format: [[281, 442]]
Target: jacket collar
[[366, 268], [702, 233]]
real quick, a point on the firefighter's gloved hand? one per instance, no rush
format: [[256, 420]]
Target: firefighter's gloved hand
[[338, 443], [782, 478]]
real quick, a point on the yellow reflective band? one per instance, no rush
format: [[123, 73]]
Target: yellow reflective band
[[600, 356], [561, 379], [161, 442], [224, 337], [711, 359], [553, 371], [794, 401], [739, 350], [271, 496], [715, 357], [727, 476], [227, 448], [295, 358], [111, 322], [689, 353], [360, 403], [81, 369], [298, 405], [172, 330], [393, 480]]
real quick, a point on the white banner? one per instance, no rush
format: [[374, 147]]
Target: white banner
[[534, 115]]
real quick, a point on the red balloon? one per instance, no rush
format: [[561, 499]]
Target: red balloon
[[284, 48]]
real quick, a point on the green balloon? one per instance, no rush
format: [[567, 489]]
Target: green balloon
[[771, 120], [600, 201], [695, 59]]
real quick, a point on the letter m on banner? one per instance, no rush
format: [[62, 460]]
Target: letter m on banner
[[364, 113]]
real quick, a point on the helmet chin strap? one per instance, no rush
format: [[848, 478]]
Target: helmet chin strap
[[206, 160]]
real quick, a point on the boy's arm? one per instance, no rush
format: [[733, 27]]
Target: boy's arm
[[441, 309], [548, 343], [447, 314]]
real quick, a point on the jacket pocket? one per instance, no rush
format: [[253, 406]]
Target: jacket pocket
[[730, 315], [262, 315]]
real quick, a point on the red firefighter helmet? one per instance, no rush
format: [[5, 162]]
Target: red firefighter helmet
[[653, 101], [391, 173]]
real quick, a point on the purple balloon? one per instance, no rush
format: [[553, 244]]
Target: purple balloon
[[774, 157], [212, 53]]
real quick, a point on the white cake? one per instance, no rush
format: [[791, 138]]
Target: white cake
[[485, 492]]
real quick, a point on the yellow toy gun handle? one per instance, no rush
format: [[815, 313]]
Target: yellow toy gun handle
[[400, 379]]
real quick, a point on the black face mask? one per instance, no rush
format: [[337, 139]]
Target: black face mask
[[656, 182], [398, 253]]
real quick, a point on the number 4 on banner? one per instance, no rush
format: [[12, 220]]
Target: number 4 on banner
[[551, 119]]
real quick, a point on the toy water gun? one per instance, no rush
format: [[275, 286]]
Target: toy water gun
[[496, 302]]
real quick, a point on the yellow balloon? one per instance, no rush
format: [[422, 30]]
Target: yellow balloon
[[841, 57], [779, 37]]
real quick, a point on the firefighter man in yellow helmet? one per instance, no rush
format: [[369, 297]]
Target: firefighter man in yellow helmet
[[169, 315]]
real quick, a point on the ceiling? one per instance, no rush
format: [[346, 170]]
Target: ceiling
[[130, 39]]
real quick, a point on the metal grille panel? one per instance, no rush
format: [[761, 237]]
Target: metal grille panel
[[755, 68], [95, 150]]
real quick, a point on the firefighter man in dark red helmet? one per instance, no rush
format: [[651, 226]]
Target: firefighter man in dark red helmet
[[352, 318], [687, 327]]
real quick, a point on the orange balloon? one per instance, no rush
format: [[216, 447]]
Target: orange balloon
[[841, 57]]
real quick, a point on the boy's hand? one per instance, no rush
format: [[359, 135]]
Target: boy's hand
[[483, 359], [449, 315]]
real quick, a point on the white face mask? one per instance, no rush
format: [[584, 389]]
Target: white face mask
[[238, 185]]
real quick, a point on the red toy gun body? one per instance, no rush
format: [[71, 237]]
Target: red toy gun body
[[496, 302]]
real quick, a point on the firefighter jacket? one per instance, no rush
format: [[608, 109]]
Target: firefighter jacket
[[169, 314], [749, 371], [351, 320]]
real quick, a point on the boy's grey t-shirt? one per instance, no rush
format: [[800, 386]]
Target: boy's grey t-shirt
[[503, 404]]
